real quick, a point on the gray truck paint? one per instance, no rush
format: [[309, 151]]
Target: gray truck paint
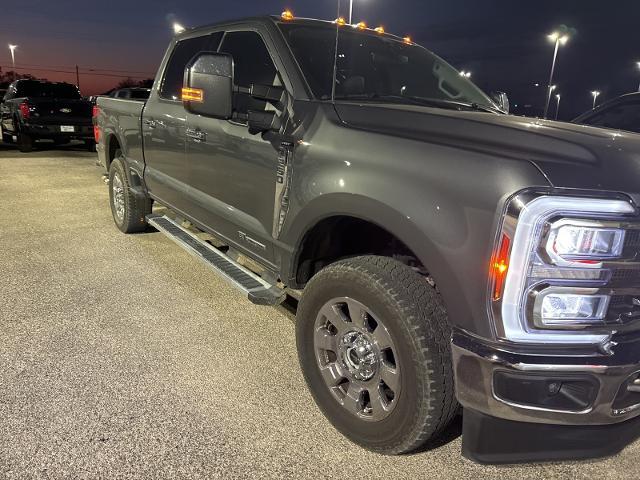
[[436, 179]]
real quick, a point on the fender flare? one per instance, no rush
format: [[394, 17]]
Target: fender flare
[[370, 210]]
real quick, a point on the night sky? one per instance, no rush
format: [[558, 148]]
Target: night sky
[[503, 42]]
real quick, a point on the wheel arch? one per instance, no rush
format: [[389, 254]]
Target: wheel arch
[[112, 145], [370, 211]]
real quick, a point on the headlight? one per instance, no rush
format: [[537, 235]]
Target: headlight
[[569, 307], [575, 243], [555, 255]]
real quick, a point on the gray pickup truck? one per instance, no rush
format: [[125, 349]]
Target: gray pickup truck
[[444, 253]]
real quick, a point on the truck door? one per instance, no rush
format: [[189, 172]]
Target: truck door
[[234, 172], [164, 123]]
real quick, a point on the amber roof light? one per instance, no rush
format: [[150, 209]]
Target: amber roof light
[[287, 15]]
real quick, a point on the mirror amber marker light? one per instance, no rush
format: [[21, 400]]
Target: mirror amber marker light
[[192, 95]]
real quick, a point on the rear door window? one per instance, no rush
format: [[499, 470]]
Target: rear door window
[[183, 52]]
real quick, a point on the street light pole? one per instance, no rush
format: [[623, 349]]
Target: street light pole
[[595, 94], [638, 68], [350, 11], [557, 105], [13, 58], [559, 40]]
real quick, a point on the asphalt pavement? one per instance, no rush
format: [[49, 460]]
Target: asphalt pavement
[[123, 357]]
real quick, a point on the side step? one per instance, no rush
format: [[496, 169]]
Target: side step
[[258, 291]]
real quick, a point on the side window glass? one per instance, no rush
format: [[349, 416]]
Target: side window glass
[[185, 50], [252, 65]]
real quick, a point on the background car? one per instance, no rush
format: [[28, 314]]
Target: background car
[[134, 93], [33, 110], [622, 113]]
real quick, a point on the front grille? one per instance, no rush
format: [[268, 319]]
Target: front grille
[[623, 309]]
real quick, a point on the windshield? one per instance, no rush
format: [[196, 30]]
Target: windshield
[[374, 66], [47, 90]]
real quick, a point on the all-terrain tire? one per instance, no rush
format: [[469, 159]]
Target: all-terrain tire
[[415, 317]]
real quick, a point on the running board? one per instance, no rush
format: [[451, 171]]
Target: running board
[[258, 291]]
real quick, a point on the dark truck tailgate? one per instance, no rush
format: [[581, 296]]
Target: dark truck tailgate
[[51, 111]]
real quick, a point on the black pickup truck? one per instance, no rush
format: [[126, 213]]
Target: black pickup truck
[[37, 110], [444, 253]]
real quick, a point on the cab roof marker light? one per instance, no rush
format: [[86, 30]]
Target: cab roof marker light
[[408, 40], [525, 242], [380, 29], [287, 15], [340, 21], [360, 26]]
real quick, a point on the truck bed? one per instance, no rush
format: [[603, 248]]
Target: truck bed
[[124, 117]]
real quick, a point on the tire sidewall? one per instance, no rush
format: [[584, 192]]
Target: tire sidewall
[[117, 168], [403, 420]]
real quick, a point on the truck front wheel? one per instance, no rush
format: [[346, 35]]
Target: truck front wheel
[[374, 347], [129, 209]]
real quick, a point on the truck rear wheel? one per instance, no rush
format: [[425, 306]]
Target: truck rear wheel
[[129, 210], [25, 143], [374, 347]]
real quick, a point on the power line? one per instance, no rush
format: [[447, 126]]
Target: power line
[[91, 69], [73, 72]]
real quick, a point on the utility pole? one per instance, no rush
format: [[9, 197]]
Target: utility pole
[[77, 77]]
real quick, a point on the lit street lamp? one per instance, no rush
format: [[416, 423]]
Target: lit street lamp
[[177, 28], [595, 95], [13, 58], [559, 39], [557, 105]]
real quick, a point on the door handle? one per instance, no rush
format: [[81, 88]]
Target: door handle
[[150, 123], [196, 134]]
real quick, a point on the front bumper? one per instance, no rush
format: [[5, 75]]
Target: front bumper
[[598, 394]]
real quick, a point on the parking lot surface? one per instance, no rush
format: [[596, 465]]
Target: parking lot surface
[[123, 357]]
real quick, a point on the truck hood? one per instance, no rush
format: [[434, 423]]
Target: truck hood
[[569, 155]]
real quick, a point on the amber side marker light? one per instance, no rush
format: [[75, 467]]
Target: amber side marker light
[[500, 266], [192, 95], [287, 15]]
